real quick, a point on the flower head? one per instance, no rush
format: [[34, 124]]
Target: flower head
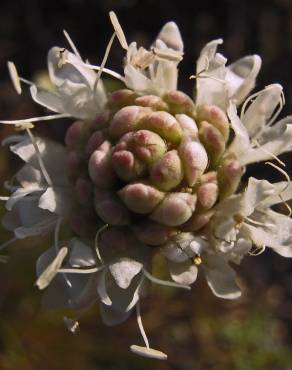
[[147, 169]]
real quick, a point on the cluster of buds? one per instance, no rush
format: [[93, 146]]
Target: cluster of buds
[[147, 169]]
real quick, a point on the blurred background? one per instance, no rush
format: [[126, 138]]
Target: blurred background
[[197, 330]]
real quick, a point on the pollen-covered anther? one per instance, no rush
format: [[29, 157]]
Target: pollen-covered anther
[[197, 260]]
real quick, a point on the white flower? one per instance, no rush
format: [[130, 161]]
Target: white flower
[[155, 71]]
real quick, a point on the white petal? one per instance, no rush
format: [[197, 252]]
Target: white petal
[[57, 200], [183, 273], [171, 36], [241, 77], [21, 193], [221, 278], [81, 255], [47, 99], [136, 80], [111, 317], [102, 289], [124, 270]]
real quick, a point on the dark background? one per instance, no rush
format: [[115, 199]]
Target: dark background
[[197, 330]]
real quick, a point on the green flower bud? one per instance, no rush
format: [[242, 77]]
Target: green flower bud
[[179, 102], [99, 167], [126, 119], [212, 140], [151, 101], [175, 209], [188, 125], [229, 175], [194, 159], [164, 124], [141, 198], [110, 209], [207, 194], [198, 221], [216, 117], [167, 172], [121, 98], [126, 166]]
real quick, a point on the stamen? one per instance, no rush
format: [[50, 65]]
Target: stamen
[[197, 260], [171, 55], [104, 70], [62, 57], [107, 51], [280, 170], [99, 231], [4, 198], [140, 324], [80, 270], [6, 244], [71, 324], [277, 112], [118, 30], [257, 223], [267, 152], [71, 43], [14, 77], [257, 251], [39, 158], [247, 101], [36, 119], [50, 272], [164, 282]]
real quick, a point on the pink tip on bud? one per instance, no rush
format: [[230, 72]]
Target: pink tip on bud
[[194, 159], [164, 124], [126, 120], [167, 172], [126, 166], [229, 175], [148, 146], [212, 139], [207, 194], [141, 198], [95, 140], [179, 102], [215, 116], [121, 98], [151, 101], [100, 168], [175, 209], [188, 125], [110, 209], [101, 120]]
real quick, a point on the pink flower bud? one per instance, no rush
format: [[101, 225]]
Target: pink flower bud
[[194, 159], [164, 124], [175, 209], [207, 194], [83, 190], [101, 120], [167, 172], [229, 175], [126, 166], [120, 98], [109, 208], [73, 164], [179, 102], [95, 140], [75, 133], [215, 116], [188, 125], [212, 139], [146, 145], [100, 168], [141, 198], [151, 101], [126, 120], [198, 221], [153, 233]]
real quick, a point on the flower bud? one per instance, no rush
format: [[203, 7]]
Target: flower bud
[[147, 146], [212, 139], [83, 190], [188, 125], [141, 198], [215, 116], [179, 102], [175, 209], [207, 194], [121, 98], [194, 159], [126, 120], [95, 140], [126, 166], [75, 133], [151, 101], [109, 208], [198, 221], [167, 172], [100, 168], [101, 120], [73, 164], [164, 124], [210, 176], [229, 175], [152, 233]]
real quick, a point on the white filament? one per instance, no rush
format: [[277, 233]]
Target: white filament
[[164, 282]]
